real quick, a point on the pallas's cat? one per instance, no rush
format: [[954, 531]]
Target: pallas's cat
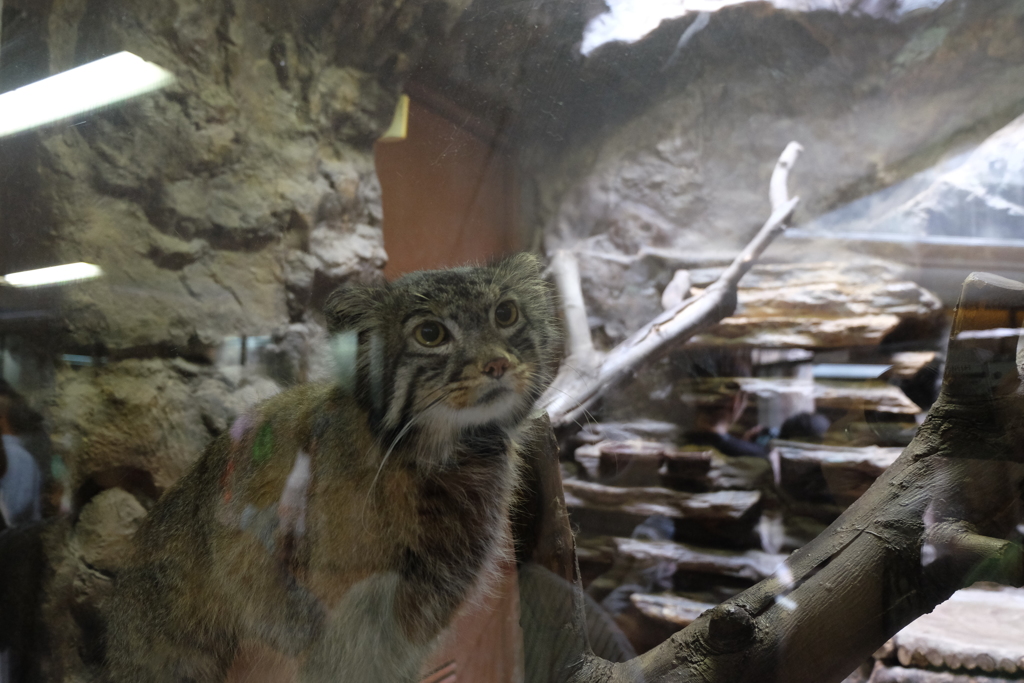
[[344, 523]]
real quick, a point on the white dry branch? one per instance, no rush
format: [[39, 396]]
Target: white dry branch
[[586, 374]]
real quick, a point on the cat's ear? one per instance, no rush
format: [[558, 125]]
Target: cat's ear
[[350, 307], [523, 263]]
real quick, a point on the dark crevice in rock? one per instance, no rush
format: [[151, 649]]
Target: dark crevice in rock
[[278, 56], [181, 98], [233, 239], [296, 232], [226, 44], [211, 425], [175, 260], [194, 352], [230, 290], [99, 572]]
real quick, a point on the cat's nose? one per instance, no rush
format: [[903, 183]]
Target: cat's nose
[[496, 368]]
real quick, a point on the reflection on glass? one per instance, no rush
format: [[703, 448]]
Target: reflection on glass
[[83, 89], [264, 449]]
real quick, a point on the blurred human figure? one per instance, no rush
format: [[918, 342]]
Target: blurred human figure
[[20, 505], [3, 472], [713, 420], [21, 487], [805, 427]]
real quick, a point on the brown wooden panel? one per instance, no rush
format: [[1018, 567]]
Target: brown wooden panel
[[449, 197], [484, 644]]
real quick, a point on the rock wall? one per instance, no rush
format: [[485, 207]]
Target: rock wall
[[870, 100], [227, 205], [643, 164]]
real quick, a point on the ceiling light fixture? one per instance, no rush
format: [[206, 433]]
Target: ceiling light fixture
[[91, 86], [55, 275]]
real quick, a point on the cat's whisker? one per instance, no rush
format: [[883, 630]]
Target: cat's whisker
[[586, 413], [578, 371], [589, 415], [378, 441], [394, 442]]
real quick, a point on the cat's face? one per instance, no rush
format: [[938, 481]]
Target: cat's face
[[450, 349]]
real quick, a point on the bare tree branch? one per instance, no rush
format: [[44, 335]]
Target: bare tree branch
[[577, 388], [566, 272]]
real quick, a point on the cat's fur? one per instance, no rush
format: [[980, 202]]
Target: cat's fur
[[343, 524]]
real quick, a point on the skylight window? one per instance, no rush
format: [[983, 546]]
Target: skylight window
[[630, 20]]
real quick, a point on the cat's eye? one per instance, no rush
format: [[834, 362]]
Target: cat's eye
[[506, 314], [430, 333]]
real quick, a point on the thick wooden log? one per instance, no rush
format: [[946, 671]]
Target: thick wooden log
[[863, 396], [541, 519], [651, 619], [546, 550]]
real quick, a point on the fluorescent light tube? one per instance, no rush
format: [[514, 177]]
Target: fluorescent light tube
[[55, 275], [85, 88]]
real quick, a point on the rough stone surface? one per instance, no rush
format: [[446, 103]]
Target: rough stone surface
[[818, 472], [201, 258], [855, 302], [831, 304], [105, 528], [678, 175], [226, 205], [719, 517], [154, 415], [751, 565], [643, 168], [646, 501], [232, 201], [676, 611]]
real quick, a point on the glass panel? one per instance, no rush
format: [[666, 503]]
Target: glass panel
[[480, 340]]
